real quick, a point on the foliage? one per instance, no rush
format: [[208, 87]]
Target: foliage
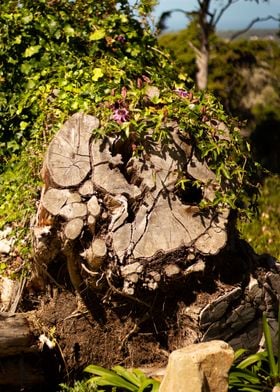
[[117, 379], [61, 57], [227, 61], [178, 44], [262, 232], [122, 379], [79, 386], [260, 371]]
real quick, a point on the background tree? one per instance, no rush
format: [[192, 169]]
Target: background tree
[[205, 19]]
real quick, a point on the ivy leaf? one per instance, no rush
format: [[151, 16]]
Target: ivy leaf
[[18, 40], [27, 19], [69, 31], [25, 68], [23, 125], [97, 35], [31, 50], [97, 74]]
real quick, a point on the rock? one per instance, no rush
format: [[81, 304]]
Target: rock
[[171, 270], [5, 232], [8, 291], [5, 246], [6, 243], [216, 309], [198, 368]]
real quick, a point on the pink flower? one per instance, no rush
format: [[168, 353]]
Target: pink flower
[[181, 92], [121, 38], [120, 115]]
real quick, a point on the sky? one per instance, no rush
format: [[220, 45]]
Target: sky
[[237, 16]]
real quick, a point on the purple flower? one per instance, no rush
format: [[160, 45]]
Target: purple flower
[[181, 92], [120, 115], [121, 38]]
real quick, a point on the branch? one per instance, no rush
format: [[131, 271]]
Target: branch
[[256, 20], [222, 11], [161, 23]]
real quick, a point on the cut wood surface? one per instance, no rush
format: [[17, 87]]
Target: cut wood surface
[[121, 209], [68, 158]]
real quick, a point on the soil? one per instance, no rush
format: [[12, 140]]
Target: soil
[[128, 333]]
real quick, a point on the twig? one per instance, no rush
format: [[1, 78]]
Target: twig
[[256, 20]]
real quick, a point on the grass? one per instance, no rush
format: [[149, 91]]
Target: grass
[[263, 231]]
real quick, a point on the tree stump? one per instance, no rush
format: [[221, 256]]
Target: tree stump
[[124, 215], [137, 250]]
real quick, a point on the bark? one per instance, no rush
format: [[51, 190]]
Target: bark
[[202, 61]]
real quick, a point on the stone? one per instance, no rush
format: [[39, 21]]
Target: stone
[[216, 309], [5, 246], [199, 368], [171, 270]]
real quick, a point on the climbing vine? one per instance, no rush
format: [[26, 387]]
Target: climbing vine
[[59, 57]]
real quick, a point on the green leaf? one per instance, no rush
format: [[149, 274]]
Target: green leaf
[[128, 375], [23, 125], [69, 31], [97, 35], [109, 378], [239, 353], [97, 74], [269, 347], [31, 50], [26, 67], [151, 384], [243, 375], [27, 19], [250, 360]]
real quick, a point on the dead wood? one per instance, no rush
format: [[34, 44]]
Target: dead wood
[[23, 354], [138, 250], [122, 209]]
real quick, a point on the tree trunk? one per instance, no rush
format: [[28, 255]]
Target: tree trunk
[[202, 60]]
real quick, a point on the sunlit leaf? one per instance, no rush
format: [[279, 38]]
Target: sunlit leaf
[[31, 50], [97, 74], [97, 35]]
